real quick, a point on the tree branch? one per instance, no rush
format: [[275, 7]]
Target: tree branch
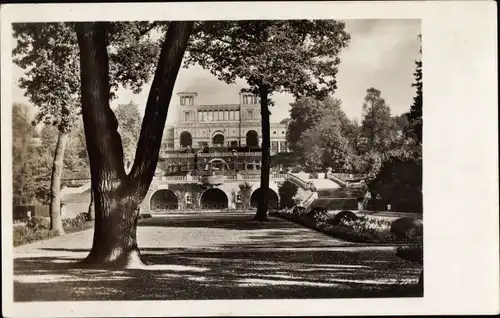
[[153, 123], [101, 127]]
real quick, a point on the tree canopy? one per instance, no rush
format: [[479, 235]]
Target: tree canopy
[[295, 56], [377, 127]]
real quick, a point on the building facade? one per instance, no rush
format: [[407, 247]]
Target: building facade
[[225, 137], [227, 125]]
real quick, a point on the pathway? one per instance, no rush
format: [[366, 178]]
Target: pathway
[[216, 256]]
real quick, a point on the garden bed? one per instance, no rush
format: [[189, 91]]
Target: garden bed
[[37, 229], [362, 230]]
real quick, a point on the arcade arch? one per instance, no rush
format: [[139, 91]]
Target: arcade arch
[[214, 199], [272, 198], [164, 200]]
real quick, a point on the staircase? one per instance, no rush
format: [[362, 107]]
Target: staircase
[[322, 184], [305, 194]]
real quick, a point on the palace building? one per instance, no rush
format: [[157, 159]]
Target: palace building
[[218, 137]]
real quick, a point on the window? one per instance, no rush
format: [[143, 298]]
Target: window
[[221, 115], [226, 115], [282, 132], [210, 115], [191, 100], [200, 116], [237, 115], [186, 116], [231, 117], [249, 114], [274, 132], [204, 116], [274, 146]]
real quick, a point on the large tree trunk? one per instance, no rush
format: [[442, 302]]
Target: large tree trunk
[[91, 206], [261, 214], [55, 184], [117, 195]]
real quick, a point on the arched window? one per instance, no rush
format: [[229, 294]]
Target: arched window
[[185, 139], [252, 138]]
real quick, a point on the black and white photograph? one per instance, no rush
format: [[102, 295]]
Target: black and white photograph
[[201, 159]]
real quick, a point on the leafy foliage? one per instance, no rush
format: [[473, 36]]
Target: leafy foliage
[[297, 56], [400, 181], [415, 115], [305, 113], [49, 51], [377, 127], [24, 164], [245, 193], [129, 128]]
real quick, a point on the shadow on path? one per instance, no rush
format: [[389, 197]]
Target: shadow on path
[[281, 261]]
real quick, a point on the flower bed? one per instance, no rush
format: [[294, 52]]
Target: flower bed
[[361, 229]]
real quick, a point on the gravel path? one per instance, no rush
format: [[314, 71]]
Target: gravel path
[[216, 256]]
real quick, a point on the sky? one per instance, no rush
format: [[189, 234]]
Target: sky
[[381, 54]]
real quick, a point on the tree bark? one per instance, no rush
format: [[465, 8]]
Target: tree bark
[[55, 184], [117, 195], [91, 206], [261, 214]]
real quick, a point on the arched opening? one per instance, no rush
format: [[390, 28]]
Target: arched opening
[[214, 199], [218, 164], [218, 140], [186, 140], [252, 138], [272, 198], [164, 200]]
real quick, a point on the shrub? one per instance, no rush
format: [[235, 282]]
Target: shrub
[[38, 223], [24, 235], [287, 192], [145, 216], [83, 217], [407, 228], [343, 216], [246, 194], [412, 253], [313, 175], [319, 214], [400, 181]]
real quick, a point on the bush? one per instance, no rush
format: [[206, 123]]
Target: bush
[[343, 216], [83, 217], [407, 228], [412, 253], [400, 181], [313, 175], [287, 192], [38, 223], [319, 214], [145, 216], [24, 235], [37, 228]]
